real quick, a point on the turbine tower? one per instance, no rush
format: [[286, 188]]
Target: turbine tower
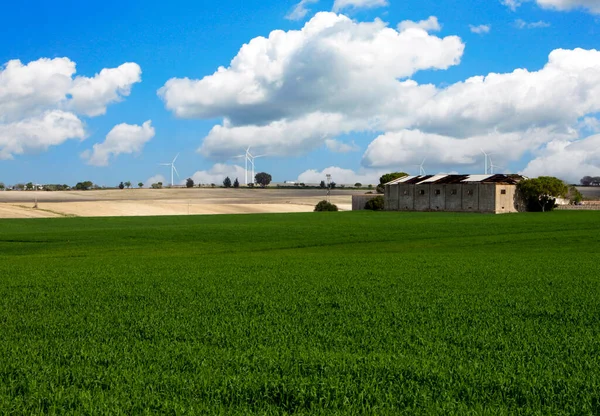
[[487, 156], [249, 159], [492, 166], [421, 169], [173, 169]]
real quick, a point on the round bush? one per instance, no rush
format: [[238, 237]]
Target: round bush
[[325, 206], [375, 204]]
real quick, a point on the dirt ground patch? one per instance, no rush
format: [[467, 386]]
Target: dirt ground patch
[[147, 202]]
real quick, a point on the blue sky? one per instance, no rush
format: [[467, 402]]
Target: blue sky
[[315, 106]]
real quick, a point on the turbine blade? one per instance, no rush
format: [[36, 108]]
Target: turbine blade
[[175, 158], [175, 169]]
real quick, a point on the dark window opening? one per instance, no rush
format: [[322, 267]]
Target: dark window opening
[[437, 192], [422, 192], [453, 192], [470, 192], [503, 191], [405, 192]]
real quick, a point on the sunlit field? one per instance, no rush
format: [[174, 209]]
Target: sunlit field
[[319, 313]]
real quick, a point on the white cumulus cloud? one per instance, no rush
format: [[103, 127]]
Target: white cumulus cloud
[[340, 147], [40, 101], [429, 25], [480, 29], [122, 139], [593, 6], [294, 89], [522, 24], [340, 176], [568, 160], [38, 133], [358, 4], [218, 172], [300, 10], [155, 179], [300, 90]]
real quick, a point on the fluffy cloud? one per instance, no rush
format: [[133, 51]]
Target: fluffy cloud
[[123, 138], [40, 101], [299, 90], [429, 25], [339, 147], [155, 179], [300, 10], [480, 29], [358, 4], [218, 173], [39, 133], [568, 160], [522, 24], [91, 96], [333, 72], [340, 176], [512, 4], [592, 6], [407, 148]]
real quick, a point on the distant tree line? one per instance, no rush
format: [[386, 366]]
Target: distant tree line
[[590, 181]]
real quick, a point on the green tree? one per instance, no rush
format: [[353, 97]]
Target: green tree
[[189, 183], [141, 184], [236, 183], [540, 193], [263, 179], [388, 177], [29, 186], [322, 185], [128, 184], [121, 185], [83, 186], [2, 186], [227, 182], [332, 185], [357, 185]]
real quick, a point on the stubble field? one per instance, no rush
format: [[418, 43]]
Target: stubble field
[[317, 313]]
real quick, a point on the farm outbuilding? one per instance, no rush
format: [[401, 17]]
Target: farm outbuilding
[[456, 193]]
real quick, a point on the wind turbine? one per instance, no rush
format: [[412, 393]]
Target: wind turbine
[[421, 169], [173, 169], [487, 156], [492, 166], [249, 158]]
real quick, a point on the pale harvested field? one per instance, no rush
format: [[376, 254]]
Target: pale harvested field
[[140, 202]]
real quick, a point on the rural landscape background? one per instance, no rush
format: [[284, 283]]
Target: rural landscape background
[[125, 125]]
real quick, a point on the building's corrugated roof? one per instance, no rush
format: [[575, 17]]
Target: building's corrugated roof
[[434, 178], [477, 178], [450, 179]]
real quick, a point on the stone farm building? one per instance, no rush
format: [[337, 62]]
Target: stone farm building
[[458, 193]]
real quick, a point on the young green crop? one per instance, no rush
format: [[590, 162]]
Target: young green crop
[[321, 313]]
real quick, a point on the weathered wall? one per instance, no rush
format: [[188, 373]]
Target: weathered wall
[[453, 197], [470, 197], [406, 197], [422, 202], [437, 198], [460, 197], [391, 198], [359, 201], [487, 197], [508, 202]]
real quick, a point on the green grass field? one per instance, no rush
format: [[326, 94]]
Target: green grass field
[[322, 313]]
